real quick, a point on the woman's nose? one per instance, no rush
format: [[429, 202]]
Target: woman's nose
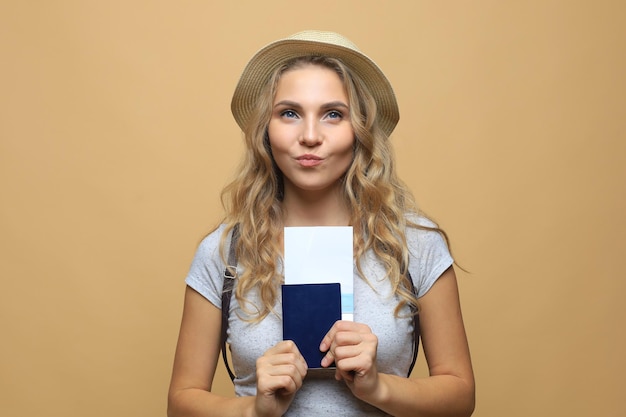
[[310, 135]]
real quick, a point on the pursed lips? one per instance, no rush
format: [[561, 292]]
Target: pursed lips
[[309, 160]]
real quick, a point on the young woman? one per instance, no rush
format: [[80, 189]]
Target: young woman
[[317, 115]]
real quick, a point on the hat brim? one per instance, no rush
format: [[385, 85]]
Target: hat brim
[[258, 70]]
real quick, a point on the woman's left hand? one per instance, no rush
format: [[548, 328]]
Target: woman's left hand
[[352, 347]]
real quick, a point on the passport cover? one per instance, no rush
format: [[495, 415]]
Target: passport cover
[[309, 311]]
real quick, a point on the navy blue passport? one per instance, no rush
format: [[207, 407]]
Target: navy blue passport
[[309, 311]]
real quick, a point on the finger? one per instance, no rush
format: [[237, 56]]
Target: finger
[[294, 356], [285, 347], [349, 351], [339, 327], [290, 371], [282, 347], [348, 338], [327, 340], [345, 333], [328, 359], [271, 385], [275, 361], [333, 352], [285, 377], [359, 364]]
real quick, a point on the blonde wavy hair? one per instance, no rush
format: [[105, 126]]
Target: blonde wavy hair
[[377, 199]]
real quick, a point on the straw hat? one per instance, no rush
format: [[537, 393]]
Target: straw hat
[[313, 42]]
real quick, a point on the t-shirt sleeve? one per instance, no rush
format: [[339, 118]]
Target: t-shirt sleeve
[[429, 256], [206, 274]]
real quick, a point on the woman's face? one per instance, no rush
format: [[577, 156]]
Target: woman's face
[[310, 131]]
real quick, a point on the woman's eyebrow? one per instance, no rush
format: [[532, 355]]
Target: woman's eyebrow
[[329, 105], [335, 104], [287, 103]]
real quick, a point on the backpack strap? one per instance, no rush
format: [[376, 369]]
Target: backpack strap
[[230, 274], [416, 325]]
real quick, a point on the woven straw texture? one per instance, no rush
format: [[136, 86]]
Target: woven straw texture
[[258, 70]]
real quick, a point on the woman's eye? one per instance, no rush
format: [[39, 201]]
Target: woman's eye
[[334, 115], [289, 114]]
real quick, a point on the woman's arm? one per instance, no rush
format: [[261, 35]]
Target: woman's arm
[[448, 391], [279, 371]]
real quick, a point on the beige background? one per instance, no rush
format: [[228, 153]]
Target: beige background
[[116, 137]]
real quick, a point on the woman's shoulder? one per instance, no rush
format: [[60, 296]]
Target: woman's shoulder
[[429, 254], [208, 249], [424, 238], [419, 225], [213, 238], [206, 274]]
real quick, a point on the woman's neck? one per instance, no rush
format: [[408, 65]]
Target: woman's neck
[[315, 209]]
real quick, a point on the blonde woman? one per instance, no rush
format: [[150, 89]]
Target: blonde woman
[[317, 115]]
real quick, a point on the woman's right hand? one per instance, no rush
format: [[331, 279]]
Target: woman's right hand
[[279, 373]]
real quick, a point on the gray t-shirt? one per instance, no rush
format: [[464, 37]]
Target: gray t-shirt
[[374, 305]]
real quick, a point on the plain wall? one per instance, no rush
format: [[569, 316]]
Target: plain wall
[[116, 138]]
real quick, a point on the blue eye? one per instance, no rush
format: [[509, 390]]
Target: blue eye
[[289, 114], [334, 115]]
